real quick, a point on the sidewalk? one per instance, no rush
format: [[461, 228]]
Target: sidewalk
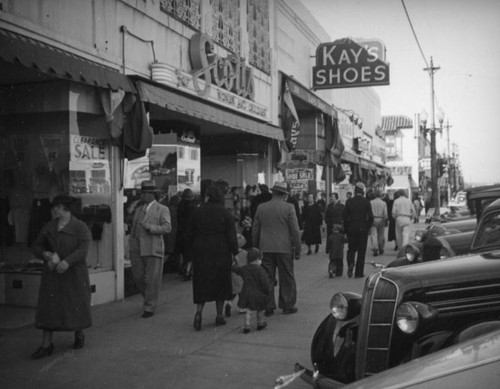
[[124, 350]]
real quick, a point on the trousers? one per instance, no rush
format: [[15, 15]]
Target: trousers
[[402, 230], [357, 242], [377, 234], [147, 273], [287, 286]]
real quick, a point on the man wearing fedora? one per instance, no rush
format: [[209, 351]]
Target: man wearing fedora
[[147, 249], [276, 232]]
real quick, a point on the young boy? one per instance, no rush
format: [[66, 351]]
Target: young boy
[[255, 293], [335, 249]]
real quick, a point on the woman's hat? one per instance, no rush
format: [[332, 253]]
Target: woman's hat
[[280, 187], [253, 254], [149, 186], [63, 199]]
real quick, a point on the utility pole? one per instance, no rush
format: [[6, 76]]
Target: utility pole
[[434, 176], [447, 126]]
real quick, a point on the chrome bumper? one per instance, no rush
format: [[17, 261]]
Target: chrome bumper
[[316, 380]]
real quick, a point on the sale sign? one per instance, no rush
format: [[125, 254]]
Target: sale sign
[[345, 63]]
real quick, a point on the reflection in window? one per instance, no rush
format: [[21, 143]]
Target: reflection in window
[[489, 231], [258, 34], [226, 24], [187, 11]]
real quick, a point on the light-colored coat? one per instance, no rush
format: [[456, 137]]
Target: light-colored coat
[[149, 231], [275, 228]]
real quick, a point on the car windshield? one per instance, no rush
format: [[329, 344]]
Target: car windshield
[[489, 231]]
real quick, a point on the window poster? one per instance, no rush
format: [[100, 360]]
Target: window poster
[[89, 166]]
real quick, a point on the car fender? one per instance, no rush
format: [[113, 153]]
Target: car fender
[[429, 344], [476, 330], [333, 349]]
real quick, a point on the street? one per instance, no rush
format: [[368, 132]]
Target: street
[[124, 350]]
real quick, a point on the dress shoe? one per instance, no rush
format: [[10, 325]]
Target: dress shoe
[[269, 312], [317, 249], [330, 274], [246, 330], [375, 253], [42, 352], [79, 340], [197, 321], [220, 321], [147, 314], [289, 311], [381, 252], [349, 272], [261, 326]]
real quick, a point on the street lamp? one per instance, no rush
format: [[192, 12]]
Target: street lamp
[[434, 173]]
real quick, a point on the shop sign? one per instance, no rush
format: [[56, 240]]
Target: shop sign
[[345, 63], [425, 164], [230, 73], [298, 186], [400, 170], [89, 148], [299, 174], [308, 156]]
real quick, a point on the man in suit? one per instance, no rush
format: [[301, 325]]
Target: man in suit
[[147, 249], [276, 232], [358, 218]]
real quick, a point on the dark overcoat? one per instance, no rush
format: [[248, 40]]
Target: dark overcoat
[[211, 241], [255, 292], [312, 217], [64, 299]]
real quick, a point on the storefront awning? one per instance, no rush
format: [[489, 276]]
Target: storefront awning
[[47, 59], [309, 97], [366, 164], [349, 157], [191, 106]]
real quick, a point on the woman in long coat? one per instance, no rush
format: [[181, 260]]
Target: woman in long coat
[[64, 297], [212, 242], [313, 218]]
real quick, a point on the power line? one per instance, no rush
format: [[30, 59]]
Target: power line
[[414, 33]]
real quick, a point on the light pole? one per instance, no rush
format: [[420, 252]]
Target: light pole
[[423, 116]]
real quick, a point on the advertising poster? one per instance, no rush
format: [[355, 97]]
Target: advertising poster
[[163, 166]]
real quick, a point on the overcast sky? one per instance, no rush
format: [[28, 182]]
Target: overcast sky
[[463, 37]]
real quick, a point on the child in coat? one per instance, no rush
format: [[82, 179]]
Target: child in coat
[[236, 280], [255, 293], [335, 249]]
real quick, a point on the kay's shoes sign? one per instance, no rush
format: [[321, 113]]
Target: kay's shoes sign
[[345, 63]]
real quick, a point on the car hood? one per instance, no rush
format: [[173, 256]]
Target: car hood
[[485, 266], [476, 360], [461, 225]]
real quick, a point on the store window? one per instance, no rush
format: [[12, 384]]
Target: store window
[[186, 11], [259, 54], [226, 24]]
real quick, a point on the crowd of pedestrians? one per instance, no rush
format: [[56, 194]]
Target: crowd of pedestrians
[[241, 255]]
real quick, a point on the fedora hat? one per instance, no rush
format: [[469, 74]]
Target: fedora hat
[[149, 186], [280, 187]]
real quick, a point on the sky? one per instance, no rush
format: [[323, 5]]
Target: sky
[[463, 38]]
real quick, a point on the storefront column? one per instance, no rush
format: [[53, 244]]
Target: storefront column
[[118, 230]]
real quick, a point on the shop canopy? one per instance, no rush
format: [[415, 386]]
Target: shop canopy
[[52, 62], [191, 106]]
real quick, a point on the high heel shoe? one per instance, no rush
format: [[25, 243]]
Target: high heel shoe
[[197, 321], [42, 352], [79, 340], [220, 321]]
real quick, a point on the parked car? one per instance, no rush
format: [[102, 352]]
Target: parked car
[[475, 362], [443, 240], [408, 312]]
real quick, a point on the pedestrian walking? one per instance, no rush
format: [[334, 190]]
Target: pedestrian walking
[[358, 218], [333, 214], [64, 294], [147, 248], [335, 249], [254, 295], [377, 230], [391, 230], [262, 197], [240, 259], [185, 209], [212, 242], [313, 219], [404, 213], [276, 233], [417, 204]]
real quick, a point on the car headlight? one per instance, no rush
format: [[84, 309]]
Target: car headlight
[[444, 253], [412, 253], [345, 306], [407, 318], [419, 235]]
